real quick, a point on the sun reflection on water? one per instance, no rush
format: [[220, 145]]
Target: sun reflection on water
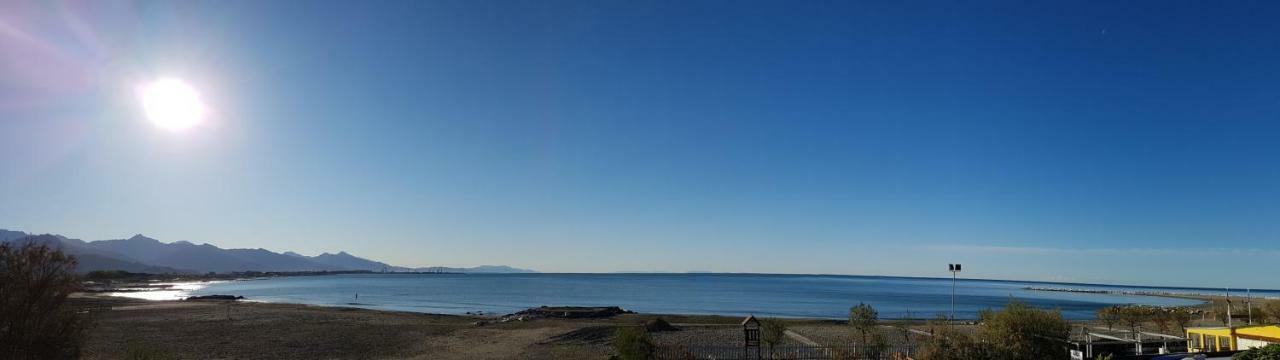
[[171, 291]]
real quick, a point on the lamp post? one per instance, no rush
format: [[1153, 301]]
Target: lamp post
[[954, 268], [1228, 308], [1248, 303]]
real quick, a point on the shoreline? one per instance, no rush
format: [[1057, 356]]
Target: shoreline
[[1207, 303], [172, 291], [173, 288]]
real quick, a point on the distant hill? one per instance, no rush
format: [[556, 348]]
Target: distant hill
[[6, 235], [89, 259], [344, 260], [491, 269], [143, 254], [205, 257]]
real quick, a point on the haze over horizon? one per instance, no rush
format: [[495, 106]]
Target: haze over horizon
[[1086, 142]]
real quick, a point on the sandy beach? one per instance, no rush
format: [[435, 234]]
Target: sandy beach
[[248, 330], [251, 330], [254, 330], [220, 329]]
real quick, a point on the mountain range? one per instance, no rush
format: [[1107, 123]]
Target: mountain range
[[146, 255]]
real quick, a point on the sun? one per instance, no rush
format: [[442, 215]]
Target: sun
[[172, 104]]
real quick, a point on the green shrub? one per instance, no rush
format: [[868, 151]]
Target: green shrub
[[1025, 332], [1018, 331], [864, 318], [1110, 315], [875, 347], [772, 331], [949, 344], [659, 325], [633, 343], [1269, 352]]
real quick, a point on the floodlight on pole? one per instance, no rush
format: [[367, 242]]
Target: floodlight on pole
[[954, 268]]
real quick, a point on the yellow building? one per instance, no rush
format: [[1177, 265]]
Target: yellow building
[[1203, 339]]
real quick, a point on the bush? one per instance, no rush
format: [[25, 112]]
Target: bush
[[1016, 332], [772, 331], [1025, 332], [1269, 352], [864, 318], [633, 343], [948, 344], [875, 347], [1110, 315], [35, 321], [659, 325]]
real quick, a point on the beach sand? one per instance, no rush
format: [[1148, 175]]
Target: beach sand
[[253, 330], [248, 330]]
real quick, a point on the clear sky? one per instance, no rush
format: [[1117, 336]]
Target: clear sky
[[1124, 142]]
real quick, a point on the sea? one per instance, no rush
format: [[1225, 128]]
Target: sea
[[796, 296]]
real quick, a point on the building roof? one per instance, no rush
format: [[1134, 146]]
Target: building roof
[[1261, 332]]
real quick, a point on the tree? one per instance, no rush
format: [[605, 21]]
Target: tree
[[1182, 317], [1134, 316], [1272, 310], [772, 331], [1109, 315], [864, 318], [1024, 332], [1163, 319], [35, 320], [633, 343]]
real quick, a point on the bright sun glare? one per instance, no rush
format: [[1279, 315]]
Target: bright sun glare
[[172, 104]]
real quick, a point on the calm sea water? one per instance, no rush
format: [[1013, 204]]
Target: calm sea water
[[816, 296]]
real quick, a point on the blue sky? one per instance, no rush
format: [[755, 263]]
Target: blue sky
[[1128, 142]]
